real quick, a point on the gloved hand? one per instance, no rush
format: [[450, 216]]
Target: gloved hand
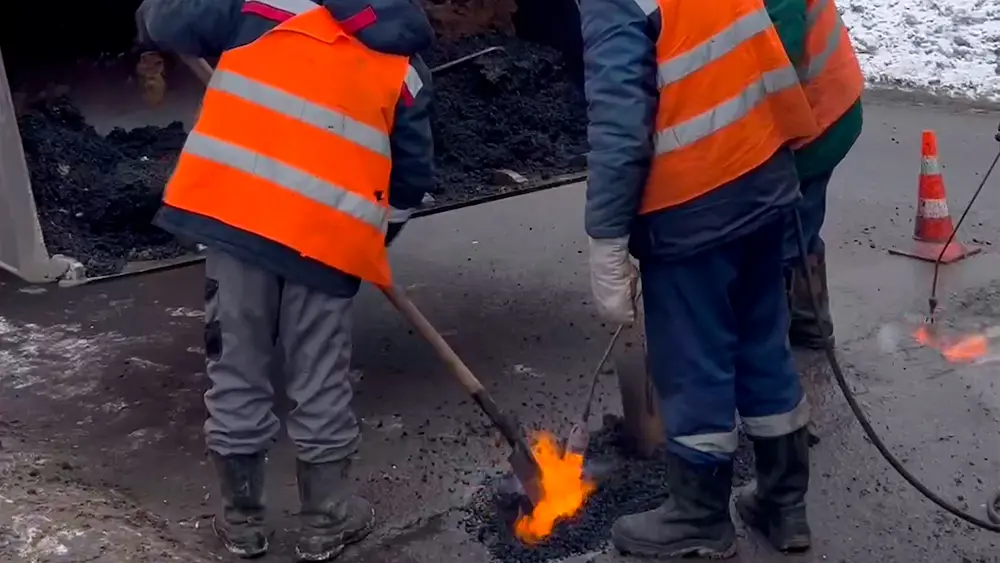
[[397, 219], [613, 279]]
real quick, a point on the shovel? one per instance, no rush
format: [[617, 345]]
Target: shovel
[[522, 462]]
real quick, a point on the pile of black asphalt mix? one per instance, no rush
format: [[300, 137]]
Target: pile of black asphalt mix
[[514, 109], [632, 485], [96, 195]]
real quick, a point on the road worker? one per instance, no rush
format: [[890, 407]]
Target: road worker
[[691, 116], [312, 147], [821, 50]]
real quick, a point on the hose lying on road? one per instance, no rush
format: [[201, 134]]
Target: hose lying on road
[[991, 507]]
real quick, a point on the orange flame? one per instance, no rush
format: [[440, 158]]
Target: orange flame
[[965, 349], [564, 489]]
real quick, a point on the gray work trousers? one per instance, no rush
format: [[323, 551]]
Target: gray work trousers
[[256, 325]]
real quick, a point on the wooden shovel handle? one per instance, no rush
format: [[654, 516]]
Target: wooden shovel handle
[[434, 338], [199, 67]]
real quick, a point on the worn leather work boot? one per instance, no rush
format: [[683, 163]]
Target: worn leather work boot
[[333, 517], [240, 525], [776, 507], [805, 330], [694, 520]]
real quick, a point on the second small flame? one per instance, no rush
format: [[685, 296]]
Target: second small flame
[[964, 349]]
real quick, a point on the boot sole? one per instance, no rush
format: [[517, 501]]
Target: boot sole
[[347, 539], [697, 549], [795, 545], [238, 551]]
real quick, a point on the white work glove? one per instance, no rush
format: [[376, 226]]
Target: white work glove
[[613, 279]]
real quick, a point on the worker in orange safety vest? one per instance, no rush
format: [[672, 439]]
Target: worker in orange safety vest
[[693, 109], [311, 149], [821, 50]]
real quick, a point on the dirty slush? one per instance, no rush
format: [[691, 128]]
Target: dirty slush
[[96, 195], [632, 484]]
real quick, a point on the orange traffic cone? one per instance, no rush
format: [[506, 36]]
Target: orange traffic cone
[[933, 224]]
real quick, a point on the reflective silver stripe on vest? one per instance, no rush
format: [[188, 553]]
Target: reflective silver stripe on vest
[[812, 68], [715, 443], [303, 110], [292, 6], [726, 113], [814, 12], [778, 424], [715, 48], [302, 183], [647, 6]]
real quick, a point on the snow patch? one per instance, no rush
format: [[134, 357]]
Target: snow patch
[[186, 312], [523, 370], [38, 545], [946, 46], [59, 362]]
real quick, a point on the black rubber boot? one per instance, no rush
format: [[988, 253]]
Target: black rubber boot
[[694, 521], [240, 525], [332, 516], [776, 507], [806, 330]]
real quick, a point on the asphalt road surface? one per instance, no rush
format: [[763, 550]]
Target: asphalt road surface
[[100, 386]]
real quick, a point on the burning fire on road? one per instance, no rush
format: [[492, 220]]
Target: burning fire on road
[[965, 348], [565, 490]]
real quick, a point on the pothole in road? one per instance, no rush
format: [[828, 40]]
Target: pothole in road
[[634, 485]]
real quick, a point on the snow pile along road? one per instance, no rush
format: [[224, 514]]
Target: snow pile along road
[[945, 46]]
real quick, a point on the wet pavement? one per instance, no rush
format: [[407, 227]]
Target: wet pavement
[[100, 386]]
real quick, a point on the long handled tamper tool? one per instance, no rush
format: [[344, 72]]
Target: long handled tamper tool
[[522, 462], [576, 442]]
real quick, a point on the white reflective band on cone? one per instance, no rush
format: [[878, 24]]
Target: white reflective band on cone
[[930, 166], [715, 443], [775, 425], [933, 208], [292, 179]]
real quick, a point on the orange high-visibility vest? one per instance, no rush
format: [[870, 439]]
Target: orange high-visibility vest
[[729, 98], [292, 141], [829, 72]]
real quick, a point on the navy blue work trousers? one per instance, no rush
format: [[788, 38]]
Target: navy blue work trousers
[[716, 329], [812, 211]]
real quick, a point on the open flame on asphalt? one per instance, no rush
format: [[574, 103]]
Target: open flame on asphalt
[[961, 349], [564, 489]]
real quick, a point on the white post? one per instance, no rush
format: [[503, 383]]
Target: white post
[[22, 248]]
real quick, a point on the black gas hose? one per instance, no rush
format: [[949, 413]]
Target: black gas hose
[[992, 510]]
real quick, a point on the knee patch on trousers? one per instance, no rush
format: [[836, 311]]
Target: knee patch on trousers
[[211, 289], [213, 330], [213, 340]]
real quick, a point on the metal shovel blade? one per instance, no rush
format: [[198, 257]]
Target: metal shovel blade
[[527, 472]]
